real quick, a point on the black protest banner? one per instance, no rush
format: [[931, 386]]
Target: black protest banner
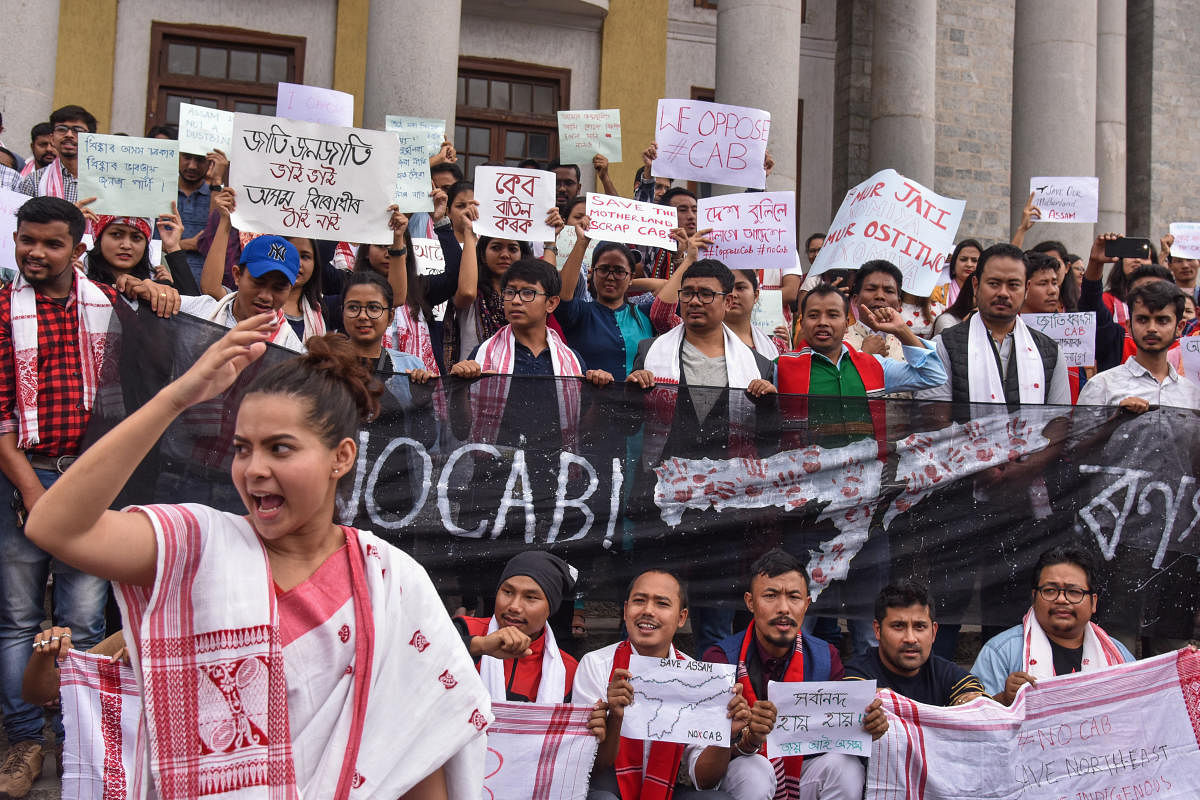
[[462, 475]]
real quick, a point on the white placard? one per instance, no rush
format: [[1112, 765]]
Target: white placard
[[202, 130], [431, 260], [513, 203], [679, 701], [750, 230], [127, 175], [1187, 239], [303, 179], [302, 103], [616, 219], [819, 717], [154, 251], [1075, 332], [10, 201], [711, 142], [1066, 199], [1189, 357], [768, 311], [891, 217], [433, 131], [412, 169], [584, 134]]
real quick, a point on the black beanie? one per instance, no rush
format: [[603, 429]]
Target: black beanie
[[555, 576]]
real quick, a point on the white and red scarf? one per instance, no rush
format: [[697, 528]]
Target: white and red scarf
[[787, 768], [96, 321], [655, 778], [555, 738], [409, 333], [663, 358], [52, 183], [284, 336], [101, 707], [1099, 650], [552, 687], [314, 320], [987, 384]]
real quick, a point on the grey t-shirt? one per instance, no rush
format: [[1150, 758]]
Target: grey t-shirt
[[700, 370]]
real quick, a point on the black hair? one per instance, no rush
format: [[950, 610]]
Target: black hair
[[1068, 292], [340, 392], [485, 274], [73, 114], [167, 129], [870, 268], [964, 304], [534, 271], [457, 188], [902, 595], [11, 155], [371, 278], [578, 199], [42, 210], [775, 562], [1052, 246], [1157, 295], [556, 164], [1150, 271], [1039, 261], [676, 191], [750, 275], [1119, 283], [1001, 250], [958, 248], [530, 163], [825, 290], [311, 290], [447, 166], [711, 268], [1062, 555], [608, 247], [810, 238], [99, 270], [41, 129], [683, 595]]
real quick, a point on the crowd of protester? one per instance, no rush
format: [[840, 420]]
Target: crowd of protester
[[610, 312]]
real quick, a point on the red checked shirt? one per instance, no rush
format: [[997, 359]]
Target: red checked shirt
[[61, 415]]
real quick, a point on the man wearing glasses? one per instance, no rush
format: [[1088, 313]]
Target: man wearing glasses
[[58, 178], [1057, 636]]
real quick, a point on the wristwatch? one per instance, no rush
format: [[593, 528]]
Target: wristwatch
[[551, 248], [397, 251], [444, 222]]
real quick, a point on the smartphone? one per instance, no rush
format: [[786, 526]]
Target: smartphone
[[1127, 248]]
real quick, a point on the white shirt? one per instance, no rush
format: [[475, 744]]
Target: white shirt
[[1131, 379]]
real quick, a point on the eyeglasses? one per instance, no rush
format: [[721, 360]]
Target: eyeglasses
[[705, 296], [374, 310], [613, 272], [1073, 594], [76, 129], [527, 295]]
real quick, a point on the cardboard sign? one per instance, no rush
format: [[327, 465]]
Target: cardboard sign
[[679, 701], [750, 230], [584, 134], [433, 131], [304, 179], [202, 130], [314, 104], [1187, 239], [1189, 357], [1074, 331], [1066, 199], [10, 201], [513, 203], [710, 142], [412, 170], [819, 717], [430, 261], [615, 219], [127, 175], [891, 217]]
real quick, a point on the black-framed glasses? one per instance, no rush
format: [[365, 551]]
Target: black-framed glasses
[[373, 310], [527, 295], [75, 129], [705, 296], [1074, 594], [613, 272]]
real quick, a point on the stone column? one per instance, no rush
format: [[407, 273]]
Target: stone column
[[1054, 105], [1110, 115], [903, 83], [412, 69], [758, 65]]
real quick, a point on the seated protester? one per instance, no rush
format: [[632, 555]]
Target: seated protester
[[656, 606], [829, 366], [1057, 636], [773, 648], [904, 662], [994, 357], [514, 649], [1148, 379], [121, 258]]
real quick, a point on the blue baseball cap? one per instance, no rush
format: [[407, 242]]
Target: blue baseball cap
[[265, 254]]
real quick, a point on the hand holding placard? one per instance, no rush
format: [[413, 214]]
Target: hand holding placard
[[513, 203], [128, 175], [1187, 240], [819, 717], [1066, 199]]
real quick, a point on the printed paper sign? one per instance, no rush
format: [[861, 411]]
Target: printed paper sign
[[1187, 239], [1189, 357], [1075, 333], [127, 175], [768, 311], [679, 701], [710, 142], [891, 217], [1066, 199], [433, 131], [513, 203], [430, 261], [412, 171], [616, 219], [302, 103], [10, 201], [819, 717], [584, 134], [202, 130], [303, 179], [750, 230]]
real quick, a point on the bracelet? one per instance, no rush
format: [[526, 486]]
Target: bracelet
[[444, 222], [397, 251], [738, 744]]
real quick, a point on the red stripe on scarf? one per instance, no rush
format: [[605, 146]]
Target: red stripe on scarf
[[560, 721], [657, 780], [364, 652], [788, 788], [110, 729]]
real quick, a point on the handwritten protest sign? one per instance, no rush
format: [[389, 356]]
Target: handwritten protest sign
[[513, 203], [1189, 357], [412, 169], [10, 201], [628, 221], [1066, 199], [430, 261], [679, 701], [768, 311], [819, 717], [711, 142], [127, 175], [751, 230], [891, 217], [296, 101], [1187, 239], [202, 130], [433, 131], [1075, 333], [304, 179], [583, 134]]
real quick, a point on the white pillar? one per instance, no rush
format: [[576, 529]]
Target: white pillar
[[1054, 105], [758, 65], [1110, 115], [903, 83], [412, 60]]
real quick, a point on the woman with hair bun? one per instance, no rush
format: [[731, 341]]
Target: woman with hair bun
[[279, 653]]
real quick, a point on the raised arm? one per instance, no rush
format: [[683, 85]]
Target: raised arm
[[574, 263], [224, 202], [600, 164], [468, 268], [398, 264], [1029, 215], [690, 245]]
